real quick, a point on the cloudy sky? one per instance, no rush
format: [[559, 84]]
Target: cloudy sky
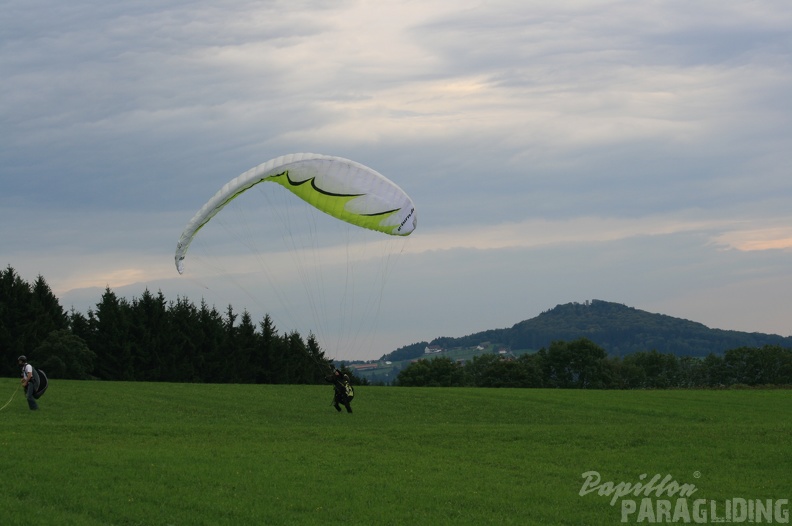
[[636, 152]]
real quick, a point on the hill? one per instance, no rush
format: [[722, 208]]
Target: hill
[[618, 329]]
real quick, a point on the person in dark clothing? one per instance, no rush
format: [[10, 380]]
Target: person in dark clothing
[[342, 390], [30, 381]]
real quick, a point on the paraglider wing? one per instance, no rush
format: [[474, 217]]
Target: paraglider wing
[[344, 189]]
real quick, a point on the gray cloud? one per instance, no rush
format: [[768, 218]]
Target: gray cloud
[[661, 130]]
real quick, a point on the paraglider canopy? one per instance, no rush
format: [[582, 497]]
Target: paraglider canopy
[[344, 189]]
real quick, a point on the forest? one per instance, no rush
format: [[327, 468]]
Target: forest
[[582, 364], [148, 338], [154, 339]]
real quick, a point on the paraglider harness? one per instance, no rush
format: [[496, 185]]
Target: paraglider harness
[[344, 392], [40, 382], [349, 392]]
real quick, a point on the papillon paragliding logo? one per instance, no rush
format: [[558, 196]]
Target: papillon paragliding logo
[[662, 499]]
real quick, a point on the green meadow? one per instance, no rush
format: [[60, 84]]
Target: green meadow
[[195, 454]]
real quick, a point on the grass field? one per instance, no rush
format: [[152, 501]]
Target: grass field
[[185, 454]]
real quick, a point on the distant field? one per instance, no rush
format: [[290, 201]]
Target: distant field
[[157, 454]]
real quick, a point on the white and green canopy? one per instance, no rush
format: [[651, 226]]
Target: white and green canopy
[[339, 187]]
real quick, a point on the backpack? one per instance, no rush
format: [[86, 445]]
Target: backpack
[[43, 382], [350, 392]]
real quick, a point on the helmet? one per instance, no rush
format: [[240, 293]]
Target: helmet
[[22, 359]]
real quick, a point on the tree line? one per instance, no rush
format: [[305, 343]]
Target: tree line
[[582, 364], [148, 339], [152, 339]]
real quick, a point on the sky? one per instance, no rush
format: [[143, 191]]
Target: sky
[[635, 152]]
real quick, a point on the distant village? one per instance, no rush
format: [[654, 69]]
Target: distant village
[[459, 355], [481, 348]]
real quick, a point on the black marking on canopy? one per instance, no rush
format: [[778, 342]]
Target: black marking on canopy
[[312, 180], [386, 212]]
